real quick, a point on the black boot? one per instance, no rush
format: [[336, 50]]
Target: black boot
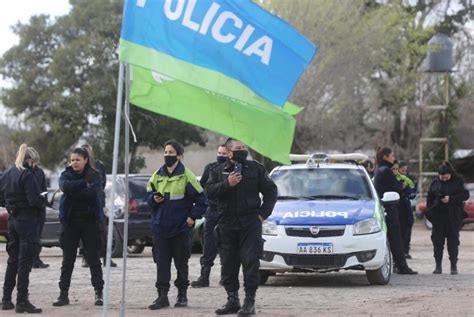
[[203, 280], [23, 305], [404, 269], [232, 306], [454, 268], [62, 300], [7, 303], [248, 309], [181, 299], [162, 300], [40, 264], [438, 269], [99, 298]]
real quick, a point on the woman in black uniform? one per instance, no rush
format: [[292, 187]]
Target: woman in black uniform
[[23, 200], [385, 181], [446, 212], [80, 213]]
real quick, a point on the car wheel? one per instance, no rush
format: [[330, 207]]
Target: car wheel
[[428, 223], [264, 275], [135, 249], [382, 275], [117, 244]]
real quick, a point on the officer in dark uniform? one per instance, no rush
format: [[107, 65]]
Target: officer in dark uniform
[[211, 215], [99, 167], [235, 186], [446, 212], [23, 200], [385, 181], [81, 215]]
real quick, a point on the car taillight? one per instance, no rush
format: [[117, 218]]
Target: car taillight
[[132, 206]]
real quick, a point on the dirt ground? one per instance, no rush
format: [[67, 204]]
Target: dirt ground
[[331, 294]]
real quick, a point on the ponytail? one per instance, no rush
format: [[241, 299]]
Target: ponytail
[[21, 156]]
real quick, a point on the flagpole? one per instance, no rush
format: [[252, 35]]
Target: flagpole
[[118, 114], [127, 167]]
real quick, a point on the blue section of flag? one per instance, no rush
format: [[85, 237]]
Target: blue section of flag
[[177, 28]]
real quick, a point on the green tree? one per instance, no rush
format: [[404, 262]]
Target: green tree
[[360, 91], [64, 72]]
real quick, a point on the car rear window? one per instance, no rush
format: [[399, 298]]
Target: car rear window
[[321, 182], [137, 186]]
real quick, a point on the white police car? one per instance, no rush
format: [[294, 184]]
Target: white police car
[[328, 217]]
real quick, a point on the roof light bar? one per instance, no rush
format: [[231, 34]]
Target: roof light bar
[[323, 157]]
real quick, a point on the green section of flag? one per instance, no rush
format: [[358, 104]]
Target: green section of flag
[[195, 75], [265, 128]]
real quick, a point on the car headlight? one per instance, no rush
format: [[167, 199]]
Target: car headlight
[[269, 228], [366, 226]]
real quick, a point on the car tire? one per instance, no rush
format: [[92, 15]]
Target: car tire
[[135, 249], [117, 244], [382, 275], [427, 223], [264, 275]]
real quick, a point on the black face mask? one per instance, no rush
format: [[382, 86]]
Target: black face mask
[[221, 159], [240, 155], [170, 160]]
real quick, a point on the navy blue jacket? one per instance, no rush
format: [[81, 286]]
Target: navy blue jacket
[[20, 190], [76, 186], [385, 180]]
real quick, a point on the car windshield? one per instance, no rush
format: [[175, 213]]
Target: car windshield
[[322, 183]]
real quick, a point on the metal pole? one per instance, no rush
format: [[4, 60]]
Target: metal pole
[[446, 92], [118, 114], [420, 177], [127, 163]]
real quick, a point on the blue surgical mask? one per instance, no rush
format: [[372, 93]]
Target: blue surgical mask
[[221, 158]]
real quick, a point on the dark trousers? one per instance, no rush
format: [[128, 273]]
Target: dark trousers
[[88, 233], [41, 221], [103, 231], [240, 245], [21, 247], [394, 236], [445, 230], [406, 225], [177, 249], [209, 251]]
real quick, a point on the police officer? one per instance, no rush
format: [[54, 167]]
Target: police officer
[[446, 212], [177, 200], [211, 216], [23, 200], [100, 168], [41, 180], [385, 181], [406, 214], [235, 186], [80, 214]]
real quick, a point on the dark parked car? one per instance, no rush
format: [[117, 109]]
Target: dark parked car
[[139, 230], [139, 233]]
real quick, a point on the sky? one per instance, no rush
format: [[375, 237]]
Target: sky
[[21, 10]]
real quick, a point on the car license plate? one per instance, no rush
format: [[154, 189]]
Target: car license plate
[[315, 248]]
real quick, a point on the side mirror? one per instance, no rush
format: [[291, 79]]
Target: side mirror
[[390, 198]]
